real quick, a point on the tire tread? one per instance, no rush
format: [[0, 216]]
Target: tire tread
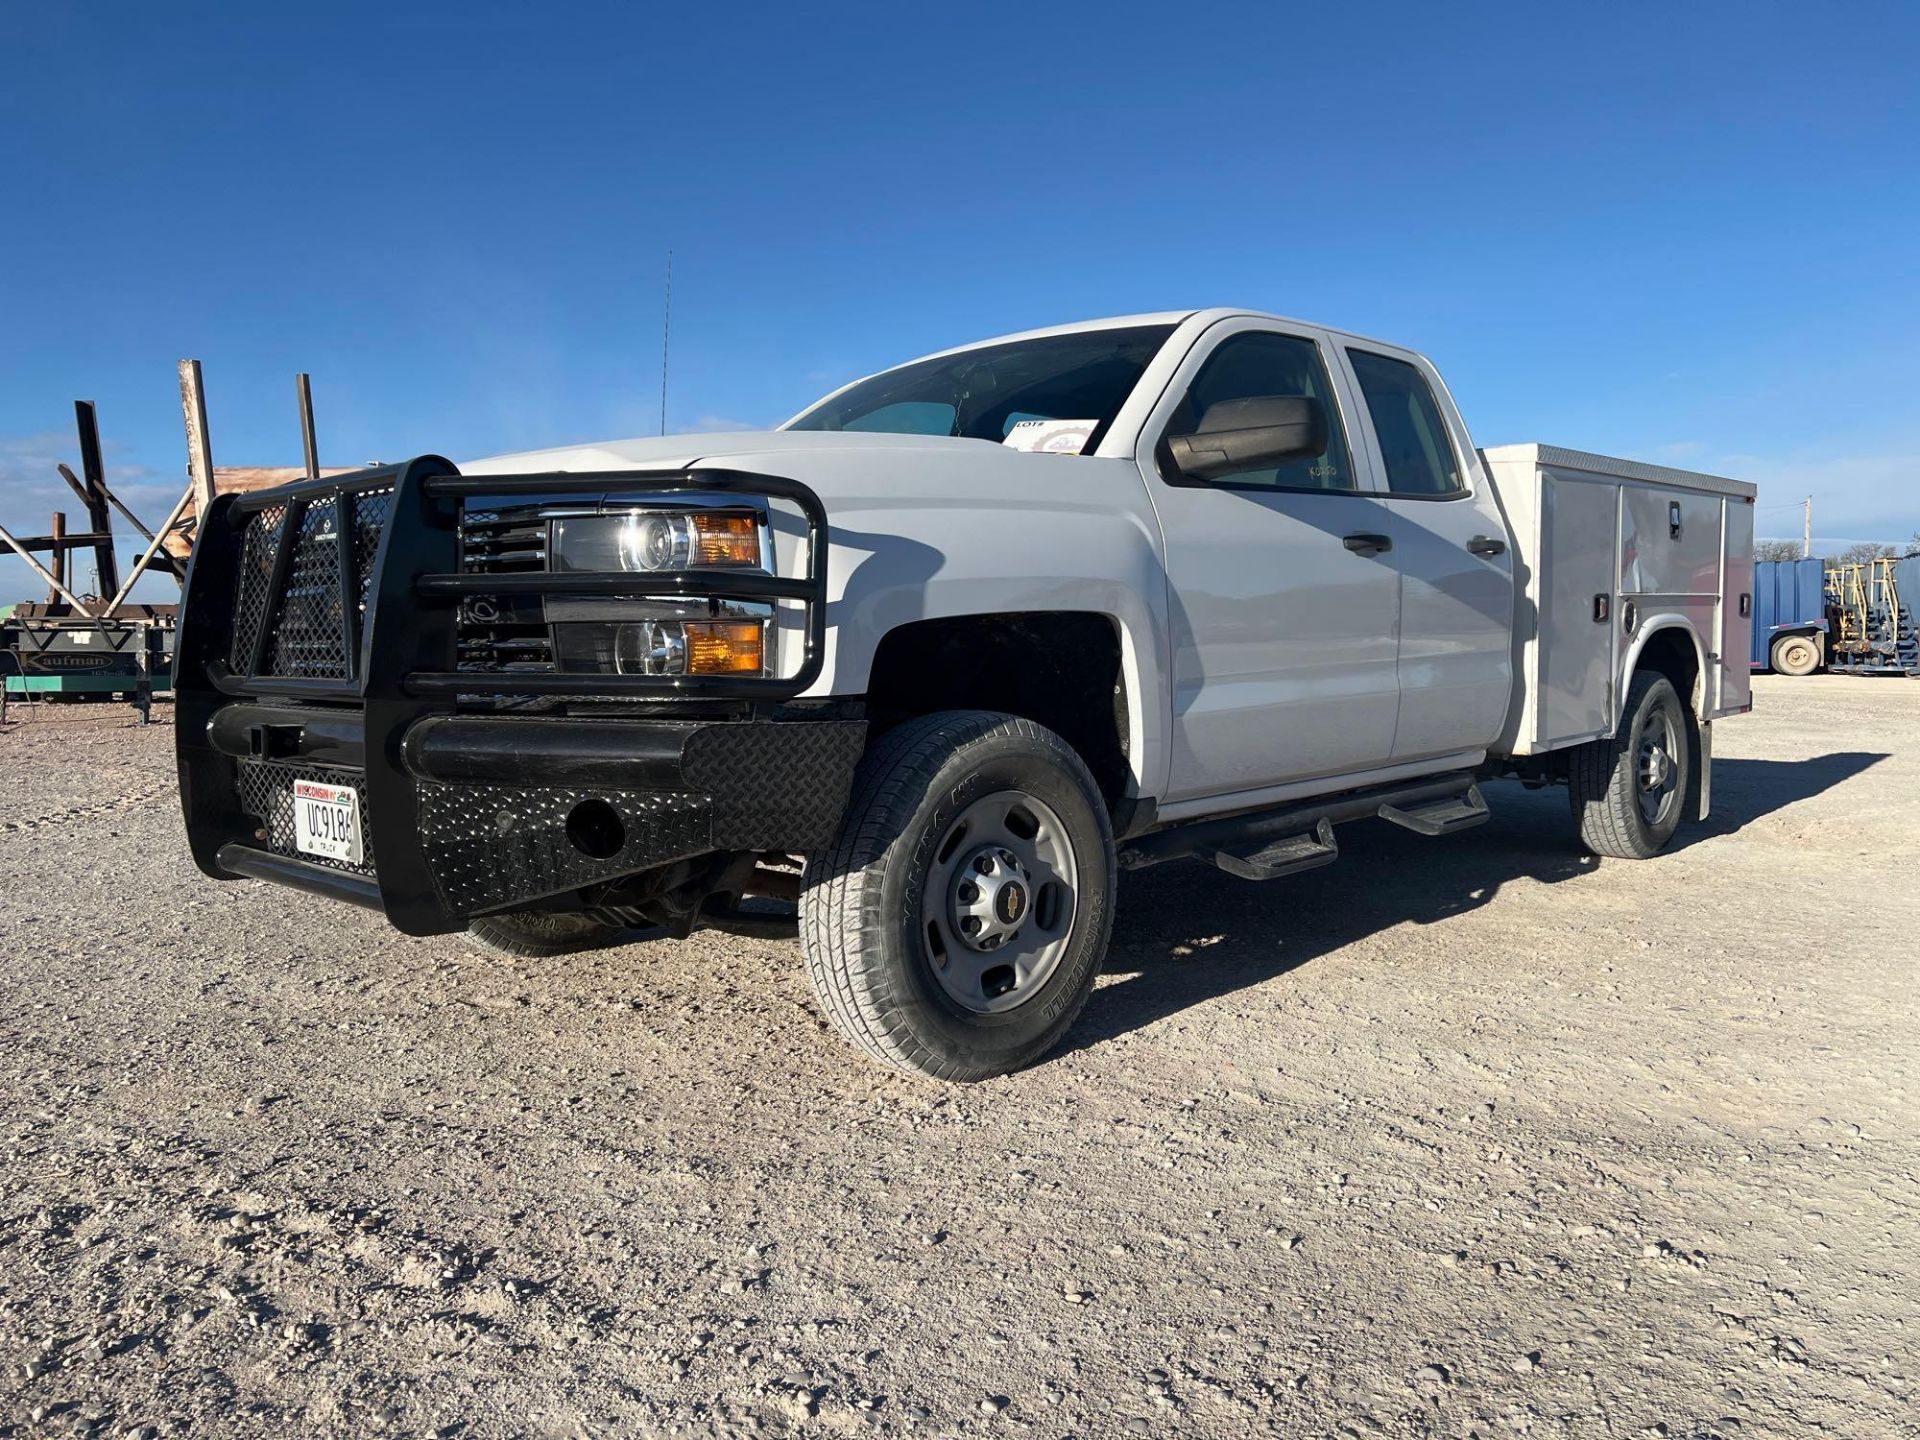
[[535, 936], [844, 929], [1601, 783]]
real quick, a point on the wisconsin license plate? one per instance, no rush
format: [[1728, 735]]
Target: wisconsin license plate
[[326, 821]]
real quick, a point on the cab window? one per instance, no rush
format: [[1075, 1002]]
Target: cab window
[[1259, 363], [1413, 438]]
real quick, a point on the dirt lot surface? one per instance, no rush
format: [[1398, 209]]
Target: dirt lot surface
[[1463, 1137]]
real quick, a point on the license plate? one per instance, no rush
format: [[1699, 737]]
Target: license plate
[[326, 821]]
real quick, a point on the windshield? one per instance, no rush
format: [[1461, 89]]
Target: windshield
[[983, 393]]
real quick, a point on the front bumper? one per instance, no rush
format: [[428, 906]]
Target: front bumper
[[466, 811], [492, 824]]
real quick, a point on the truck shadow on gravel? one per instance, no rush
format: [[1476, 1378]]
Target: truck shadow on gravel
[[1745, 790], [1185, 933]]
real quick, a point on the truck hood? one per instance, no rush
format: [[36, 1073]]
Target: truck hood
[[681, 452]]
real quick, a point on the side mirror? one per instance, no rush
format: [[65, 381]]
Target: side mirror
[[1251, 434]]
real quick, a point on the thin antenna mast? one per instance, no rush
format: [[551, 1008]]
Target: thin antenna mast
[[666, 336]]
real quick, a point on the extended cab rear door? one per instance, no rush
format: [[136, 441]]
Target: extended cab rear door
[[1450, 547], [1284, 630]]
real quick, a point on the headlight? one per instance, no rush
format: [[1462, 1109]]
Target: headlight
[[663, 646], [645, 629], [654, 541]]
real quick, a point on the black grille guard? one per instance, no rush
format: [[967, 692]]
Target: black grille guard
[[399, 655]]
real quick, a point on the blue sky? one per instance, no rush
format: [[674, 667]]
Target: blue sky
[[1684, 233]]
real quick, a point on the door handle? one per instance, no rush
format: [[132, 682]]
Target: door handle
[[1368, 544], [1486, 545]]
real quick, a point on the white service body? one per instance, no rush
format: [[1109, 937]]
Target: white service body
[[1594, 535]]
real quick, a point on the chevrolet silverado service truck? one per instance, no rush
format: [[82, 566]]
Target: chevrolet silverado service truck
[[970, 636]]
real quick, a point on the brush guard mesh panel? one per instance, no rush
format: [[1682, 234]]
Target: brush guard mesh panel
[[291, 607]]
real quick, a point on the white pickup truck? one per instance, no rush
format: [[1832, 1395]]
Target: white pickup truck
[[966, 638]]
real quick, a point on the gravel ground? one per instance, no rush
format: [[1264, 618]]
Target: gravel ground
[[1463, 1137]]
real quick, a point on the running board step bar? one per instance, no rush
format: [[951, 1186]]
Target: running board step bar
[[1289, 855], [1440, 817], [1286, 839]]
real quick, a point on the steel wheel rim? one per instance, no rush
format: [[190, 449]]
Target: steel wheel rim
[[994, 932], [1656, 766]]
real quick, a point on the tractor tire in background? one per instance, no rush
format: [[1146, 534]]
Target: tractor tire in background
[[1795, 655]]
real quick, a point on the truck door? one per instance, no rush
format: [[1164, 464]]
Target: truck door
[[1283, 616], [1450, 546]]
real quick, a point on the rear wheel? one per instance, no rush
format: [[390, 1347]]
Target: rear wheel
[[956, 926], [1795, 655], [535, 934], [1628, 790]]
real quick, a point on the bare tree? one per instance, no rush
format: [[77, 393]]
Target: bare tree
[[1776, 549], [1866, 550]]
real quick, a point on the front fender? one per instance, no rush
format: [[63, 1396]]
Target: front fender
[[984, 530], [880, 581]]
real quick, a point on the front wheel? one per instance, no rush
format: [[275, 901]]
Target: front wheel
[[956, 925], [1629, 789]]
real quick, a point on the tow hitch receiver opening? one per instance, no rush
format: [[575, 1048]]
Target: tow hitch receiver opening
[[595, 829]]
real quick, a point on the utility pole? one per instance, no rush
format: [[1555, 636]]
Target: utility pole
[[666, 334], [1806, 530]]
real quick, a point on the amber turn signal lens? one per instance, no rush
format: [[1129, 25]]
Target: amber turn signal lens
[[725, 647], [726, 540]]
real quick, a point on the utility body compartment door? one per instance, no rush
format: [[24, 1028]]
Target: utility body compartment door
[[1736, 610], [1575, 629], [1284, 640]]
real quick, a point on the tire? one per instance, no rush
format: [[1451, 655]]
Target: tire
[[1626, 802], [941, 937], [1795, 655], [537, 934]]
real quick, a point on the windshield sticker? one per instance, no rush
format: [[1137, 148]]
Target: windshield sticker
[[1051, 437]]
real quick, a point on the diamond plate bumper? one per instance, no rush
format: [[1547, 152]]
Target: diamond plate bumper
[[495, 801]]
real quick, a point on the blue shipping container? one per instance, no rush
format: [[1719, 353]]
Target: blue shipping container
[[1786, 593], [1906, 578]]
